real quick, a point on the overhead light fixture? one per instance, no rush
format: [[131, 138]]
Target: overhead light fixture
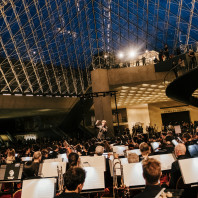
[[120, 55], [132, 54], [18, 94], [6, 94]]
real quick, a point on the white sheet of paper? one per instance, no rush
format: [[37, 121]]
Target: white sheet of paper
[[155, 145], [137, 151], [63, 157], [177, 129], [38, 188], [124, 161], [94, 178], [133, 174], [165, 159], [94, 161], [50, 169], [120, 149], [26, 159], [189, 170], [53, 160]]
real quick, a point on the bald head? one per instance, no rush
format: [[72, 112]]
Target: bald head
[[180, 149]]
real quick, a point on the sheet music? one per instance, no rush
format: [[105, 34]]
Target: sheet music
[[165, 159], [38, 188], [94, 178], [133, 174], [137, 151], [106, 154], [26, 159], [53, 160], [50, 169], [94, 161], [120, 149], [155, 145], [177, 129], [63, 157], [189, 170], [124, 160]]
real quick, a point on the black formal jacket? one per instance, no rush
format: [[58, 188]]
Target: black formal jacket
[[150, 191], [69, 195], [175, 172]]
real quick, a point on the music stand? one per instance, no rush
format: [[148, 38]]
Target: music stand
[[93, 161], [50, 169], [11, 172], [94, 179], [133, 175], [53, 160], [189, 171], [26, 159], [193, 150], [63, 157], [38, 188], [155, 146], [166, 160], [120, 149]]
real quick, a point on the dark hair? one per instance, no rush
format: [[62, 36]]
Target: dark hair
[[144, 148], [151, 170], [73, 177], [73, 159], [186, 135], [169, 138]]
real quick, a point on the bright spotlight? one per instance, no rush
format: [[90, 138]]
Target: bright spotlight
[[105, 56], [121, 55], [146, 51], [132, 54]]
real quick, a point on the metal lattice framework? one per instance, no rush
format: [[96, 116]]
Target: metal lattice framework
[[50, 46]]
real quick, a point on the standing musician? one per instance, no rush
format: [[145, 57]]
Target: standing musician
[[102, 129]]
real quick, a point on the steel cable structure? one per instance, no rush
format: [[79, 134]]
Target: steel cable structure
[[49, 47]]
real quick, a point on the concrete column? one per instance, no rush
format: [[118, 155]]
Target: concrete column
[[102, 105]]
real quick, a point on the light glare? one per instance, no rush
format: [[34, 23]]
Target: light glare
[[120, 55]]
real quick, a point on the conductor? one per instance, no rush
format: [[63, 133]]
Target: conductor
[[102, 129]]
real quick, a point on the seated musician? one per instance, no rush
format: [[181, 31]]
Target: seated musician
[[180, 153], [31, 170], [151, 174], [74, 180], [145, 151], [73, 160], [108, 179]]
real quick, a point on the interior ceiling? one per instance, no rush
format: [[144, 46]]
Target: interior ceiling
[[50, 46], [141, 94], [16, 113]]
